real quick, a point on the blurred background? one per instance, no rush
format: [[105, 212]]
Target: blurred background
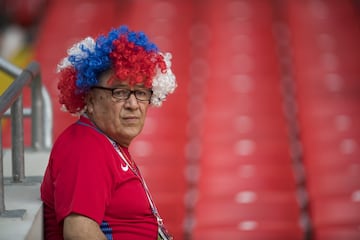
[[260, 141]]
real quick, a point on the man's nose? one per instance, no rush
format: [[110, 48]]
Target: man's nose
[[132, 101]]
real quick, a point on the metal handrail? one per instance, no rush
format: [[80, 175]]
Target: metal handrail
[[12, 97]]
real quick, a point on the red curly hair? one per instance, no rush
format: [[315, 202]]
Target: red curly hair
[[133, 64], [70, 96]]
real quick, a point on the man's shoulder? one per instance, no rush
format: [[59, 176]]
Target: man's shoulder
[[80, 135]]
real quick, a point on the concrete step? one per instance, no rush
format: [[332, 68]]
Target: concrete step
[[23, 216]]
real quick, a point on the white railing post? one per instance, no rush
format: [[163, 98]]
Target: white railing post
[[17, 140]]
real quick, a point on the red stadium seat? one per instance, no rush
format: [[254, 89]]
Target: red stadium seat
[[214, 213], [281, 232], [332, 212], [351, 232]]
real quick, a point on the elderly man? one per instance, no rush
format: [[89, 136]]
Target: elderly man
[[92, 188]]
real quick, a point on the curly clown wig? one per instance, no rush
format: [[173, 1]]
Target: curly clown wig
[[131, 56]]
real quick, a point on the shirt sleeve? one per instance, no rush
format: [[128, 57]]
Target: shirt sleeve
[[83, 179]]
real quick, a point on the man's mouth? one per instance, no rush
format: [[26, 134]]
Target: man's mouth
[[131, 119]]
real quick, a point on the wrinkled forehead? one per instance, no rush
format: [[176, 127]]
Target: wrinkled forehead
[[109, 79]]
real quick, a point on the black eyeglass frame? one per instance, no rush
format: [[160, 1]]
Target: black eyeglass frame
[[129, 93]]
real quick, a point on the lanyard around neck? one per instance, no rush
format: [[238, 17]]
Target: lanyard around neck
[[148, 195]]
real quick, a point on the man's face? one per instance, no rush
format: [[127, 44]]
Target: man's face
[[121, 120]]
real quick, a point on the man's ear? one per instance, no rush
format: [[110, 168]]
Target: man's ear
[[89, 102]]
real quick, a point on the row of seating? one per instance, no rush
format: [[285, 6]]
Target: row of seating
[[247, 187], [325, 37]]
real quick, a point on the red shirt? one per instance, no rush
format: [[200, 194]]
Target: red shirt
[[85, 175]]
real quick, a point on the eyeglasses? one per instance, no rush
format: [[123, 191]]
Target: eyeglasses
[[124, 93]]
